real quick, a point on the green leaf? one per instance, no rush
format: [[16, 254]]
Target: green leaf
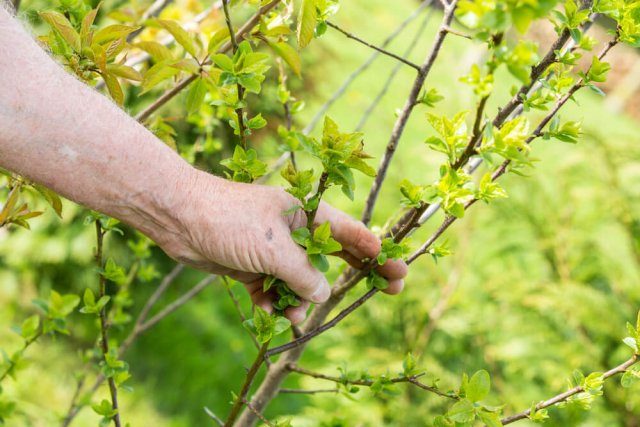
[[51, 197], [289, 54], [158, 52], [374, 280], [301, 236], [629, 378], [30, 328], [112, 32], [281, 325], [478, 386], [195, 95], [319, 261], [490, 419], [113, 85], [63, 27], [181, 35], [462, 411], [124, 71], [306, 22]]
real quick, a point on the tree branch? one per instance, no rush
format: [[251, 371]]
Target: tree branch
[[567, 394], [362, 68], [368, 383], [374, 47], [409, 105], [251, 374], [104, 324], [367, 113]]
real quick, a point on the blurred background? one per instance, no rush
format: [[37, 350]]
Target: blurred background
[[538, 284]]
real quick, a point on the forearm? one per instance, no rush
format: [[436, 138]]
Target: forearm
[[58, 132]]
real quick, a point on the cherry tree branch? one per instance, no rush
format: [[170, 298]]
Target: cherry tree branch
[[571, 392], [104, 323], [392, 75], [409, 105], [362, 68], [251, 374], [374, 47], [368, 382]]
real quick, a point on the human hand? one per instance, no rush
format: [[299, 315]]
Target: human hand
[[240, 230]]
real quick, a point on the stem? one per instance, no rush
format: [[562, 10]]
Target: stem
[[104, 324], [251, 374], [239, 88], [322, 187], [367, 113], [141, 326], [368, 383], [409, 105], [26, 345], [567, 394], [236, 304], [362, 68], [374, 47]]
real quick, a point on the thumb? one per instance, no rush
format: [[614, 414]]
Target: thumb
[[294, 267]]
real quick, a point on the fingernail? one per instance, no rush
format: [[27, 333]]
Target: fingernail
[[322, 293]]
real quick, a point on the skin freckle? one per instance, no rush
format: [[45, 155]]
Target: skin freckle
[[269, 234]]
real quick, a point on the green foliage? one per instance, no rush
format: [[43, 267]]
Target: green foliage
[[265, 326], [392, 250], [317, 244], [245, 165]]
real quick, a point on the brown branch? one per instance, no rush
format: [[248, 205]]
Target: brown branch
[[392, 75], [374, 47], [567, 394], [251, 374], [340, 289], [362, 68], [368, 383], [257, 413], [171, 93], [141, 326], [409, 105], [104, 324], [302, 391]]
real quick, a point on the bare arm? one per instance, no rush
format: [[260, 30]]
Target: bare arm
[[60, 133]]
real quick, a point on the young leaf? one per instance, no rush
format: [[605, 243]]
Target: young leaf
[[478, 386], [289, 54], [306, 22], [63, 27], [183, 38]]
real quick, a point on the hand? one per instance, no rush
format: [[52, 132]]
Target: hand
[[240, 230]]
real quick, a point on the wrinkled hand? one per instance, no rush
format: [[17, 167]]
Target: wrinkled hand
[[240, 230]]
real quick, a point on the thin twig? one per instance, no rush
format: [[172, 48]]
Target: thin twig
[[362, 68], [236, 304], [104, 324], [368, 382], [239, 88], [374, 47], [199, 287], [403, 118], [251, 374], [392, 75], [213, 416], [567, 394], [302, 391], [258, 414]]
